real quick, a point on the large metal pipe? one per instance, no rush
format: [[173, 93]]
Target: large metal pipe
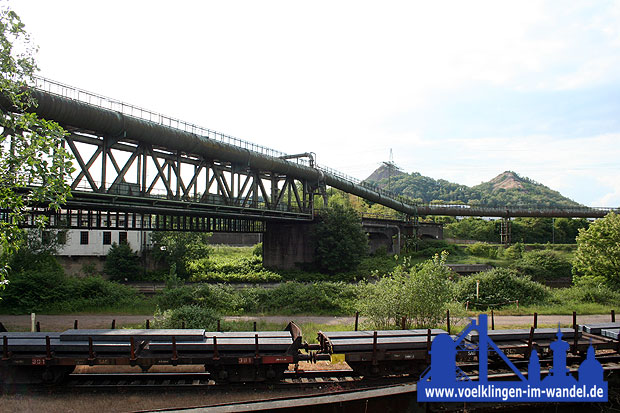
[[102, 121]]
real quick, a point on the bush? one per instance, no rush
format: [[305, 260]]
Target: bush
[[257, 251], [290, 297], [421, 294], [188, 316], [482, 249], [514, 252], [587, 290], [341, 242], [217, 297], [46, 288], [430, 248], [35, 290], [543, 265], [122, 264], [598, 251], [499, 287], [180, 249]]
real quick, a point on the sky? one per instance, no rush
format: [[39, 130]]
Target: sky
[[455, 90]]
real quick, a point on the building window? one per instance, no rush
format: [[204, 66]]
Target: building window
[[62, 237], [84, 237], [46, 237], [107, 237], [122, 237]]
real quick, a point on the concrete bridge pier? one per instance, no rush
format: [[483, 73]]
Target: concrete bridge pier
[[287, 244]]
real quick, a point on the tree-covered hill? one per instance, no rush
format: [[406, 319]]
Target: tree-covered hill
[[508, 188]]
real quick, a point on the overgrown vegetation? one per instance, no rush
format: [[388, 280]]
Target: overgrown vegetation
[[598, 252], [420, 294], [41, 285], [341, 243], [499, 287], [122, 263], [32, 153], [286, 298]]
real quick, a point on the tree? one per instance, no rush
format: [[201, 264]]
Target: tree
[[598, 251], [122, 263], [341, 242], [180, 248], [33, 162]]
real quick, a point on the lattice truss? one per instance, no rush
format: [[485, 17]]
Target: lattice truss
[[119, 166]]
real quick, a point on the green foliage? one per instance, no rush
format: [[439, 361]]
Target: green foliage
[[287, 298], [36, 158], [543, 265], [258, 250], [430, 248], [36, 284], [499, 287], [188, 316], [232, 269], [514, 252], [526, 230], [598, 251], [482, 249], [587, 290], [122, 264], [521, 190], [180, 248], [472, 228], [340, 240], [40, 284], [421, 294]]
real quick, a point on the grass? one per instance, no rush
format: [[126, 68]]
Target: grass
[[225, 252]]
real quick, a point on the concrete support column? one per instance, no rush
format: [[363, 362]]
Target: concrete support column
[[287, 244]]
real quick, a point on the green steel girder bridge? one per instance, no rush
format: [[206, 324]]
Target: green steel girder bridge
[[140, 170]]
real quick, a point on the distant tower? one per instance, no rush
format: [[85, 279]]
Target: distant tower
[[533, 368]]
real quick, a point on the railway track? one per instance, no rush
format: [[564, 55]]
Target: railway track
[[142, 381], [292, 379]]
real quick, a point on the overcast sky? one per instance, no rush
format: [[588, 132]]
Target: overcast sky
[[459, 90]]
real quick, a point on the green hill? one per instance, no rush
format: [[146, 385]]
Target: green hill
[[508, 188]]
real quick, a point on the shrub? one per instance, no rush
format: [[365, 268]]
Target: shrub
[[598, 250], [122, 264], [587, 290], [482, 249], [514, 252], [500, 286], [175, 297], [421, 294], [34, 290], [188, 316], [341, 242], [430, 248], [543, 265], [257, 251], [180, 249]]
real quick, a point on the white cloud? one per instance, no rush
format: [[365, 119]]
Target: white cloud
[[326, 76]]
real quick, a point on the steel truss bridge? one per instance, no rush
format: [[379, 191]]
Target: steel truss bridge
[[140, 170]]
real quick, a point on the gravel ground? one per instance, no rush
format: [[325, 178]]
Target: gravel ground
[[63, 322]]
